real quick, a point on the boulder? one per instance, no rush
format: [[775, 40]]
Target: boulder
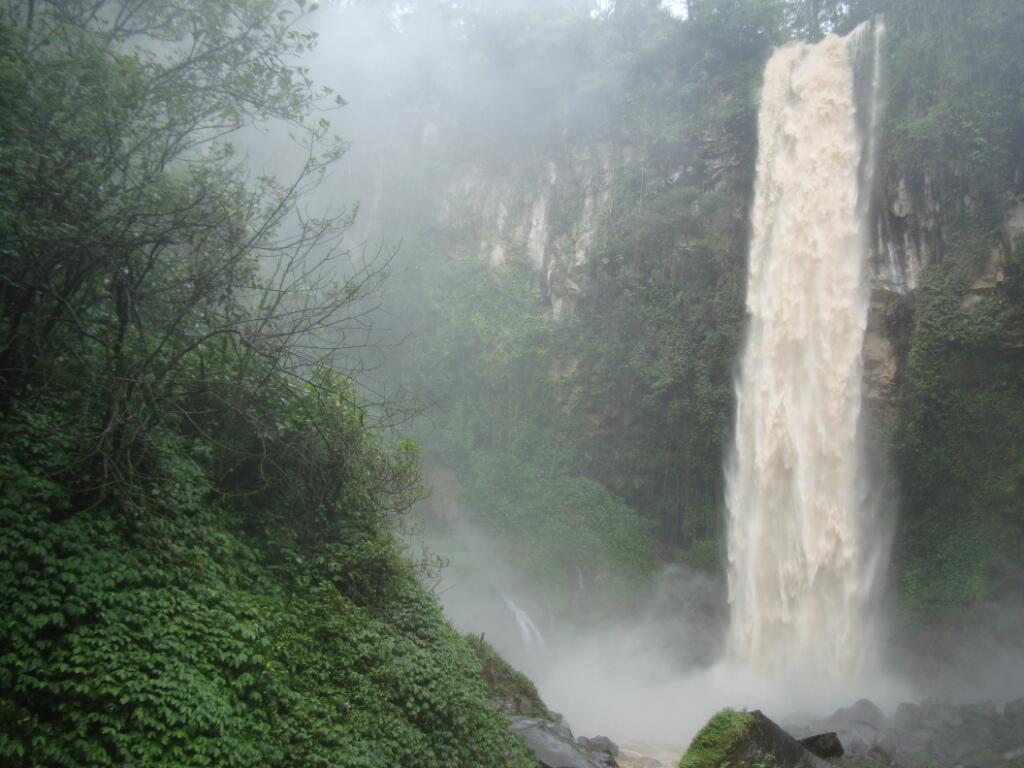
[[862, 712], [747, 740], [824, 745], [554, 746], [860, 727], [600, 744]]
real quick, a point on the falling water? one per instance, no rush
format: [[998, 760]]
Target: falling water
[[800, 554], [529, 634]]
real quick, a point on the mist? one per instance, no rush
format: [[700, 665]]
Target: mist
[[468, 127]]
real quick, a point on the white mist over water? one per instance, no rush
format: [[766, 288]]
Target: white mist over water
[[803, 555]]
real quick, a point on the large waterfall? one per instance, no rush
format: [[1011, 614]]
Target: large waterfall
[[801, 553]]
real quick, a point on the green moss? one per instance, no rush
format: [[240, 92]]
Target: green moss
[[710, 748], [509, 690]]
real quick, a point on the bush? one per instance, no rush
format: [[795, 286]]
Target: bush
[[182, 641]]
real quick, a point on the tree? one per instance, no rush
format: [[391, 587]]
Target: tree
[[138, 261]]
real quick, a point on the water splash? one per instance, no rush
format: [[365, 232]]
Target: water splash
[[800, 554]]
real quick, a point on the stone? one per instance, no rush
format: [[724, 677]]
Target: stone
[[754, 741], [902, 205], [824, 745], [599, 744], [553, 745], [859, 727], [862, 712]]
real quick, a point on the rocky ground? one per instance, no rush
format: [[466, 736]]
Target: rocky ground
[[926, 735]]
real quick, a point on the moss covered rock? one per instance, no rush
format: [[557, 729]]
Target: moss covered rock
[[733, 739]]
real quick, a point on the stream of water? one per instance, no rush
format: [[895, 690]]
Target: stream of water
[[802, 555]]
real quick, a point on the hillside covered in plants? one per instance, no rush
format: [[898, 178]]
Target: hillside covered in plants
[[332, 337], [198, 564]]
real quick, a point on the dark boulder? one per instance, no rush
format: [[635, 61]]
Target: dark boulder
[[824, 745], [860, 727], [747, 740], [863, 712]]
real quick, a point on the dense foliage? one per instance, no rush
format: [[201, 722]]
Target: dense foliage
[[483, 357], [181, 641], [955, 139], [196, 507]]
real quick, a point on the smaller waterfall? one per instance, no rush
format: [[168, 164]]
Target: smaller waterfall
[[530, 635]]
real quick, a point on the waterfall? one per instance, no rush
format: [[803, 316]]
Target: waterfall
[[529, 634], [801, 551]]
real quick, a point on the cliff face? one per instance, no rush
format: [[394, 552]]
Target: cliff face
[[553, 215], [546, 213], [909, 239]]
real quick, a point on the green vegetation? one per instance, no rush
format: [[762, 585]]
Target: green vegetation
[[509, 690], [618, 414], [182, 640], [714, 743], [960, 438], [955, 124], [196, 505], [483, 355], [955, 137]]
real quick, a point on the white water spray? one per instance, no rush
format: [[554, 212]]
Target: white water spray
[[802, 562]]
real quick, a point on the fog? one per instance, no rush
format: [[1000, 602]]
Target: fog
[[417, 86], [651, 674]]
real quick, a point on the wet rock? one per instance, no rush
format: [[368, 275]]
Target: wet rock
[[934, 733], [747, 740], [824, 745], [600, 744], [553, 745], [862, 712], [859, 727], [766, 738]]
